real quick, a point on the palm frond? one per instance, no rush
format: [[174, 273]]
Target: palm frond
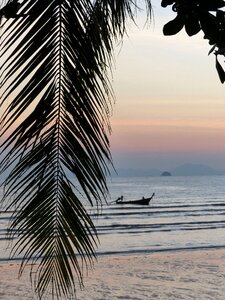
[[55, 87]]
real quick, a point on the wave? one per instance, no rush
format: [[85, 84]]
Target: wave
[[186, 214]]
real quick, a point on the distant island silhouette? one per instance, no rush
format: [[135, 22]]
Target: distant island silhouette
[[166, 173]]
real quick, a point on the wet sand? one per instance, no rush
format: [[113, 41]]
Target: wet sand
[[196, 275]]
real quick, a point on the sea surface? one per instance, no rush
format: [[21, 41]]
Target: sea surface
[[187, 213]]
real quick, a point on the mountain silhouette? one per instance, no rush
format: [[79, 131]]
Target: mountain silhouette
[[195, 170], [188, 169]]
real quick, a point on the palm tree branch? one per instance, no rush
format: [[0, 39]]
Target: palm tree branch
[[55, 73]]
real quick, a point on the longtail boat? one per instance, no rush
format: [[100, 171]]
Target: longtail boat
[[143, 201]]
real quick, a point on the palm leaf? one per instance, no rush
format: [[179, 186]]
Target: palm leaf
[[55, 87]]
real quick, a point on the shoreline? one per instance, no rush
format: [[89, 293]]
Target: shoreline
[[198, 274]]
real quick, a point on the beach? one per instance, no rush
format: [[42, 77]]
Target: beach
[[172, 249], [178, 275]]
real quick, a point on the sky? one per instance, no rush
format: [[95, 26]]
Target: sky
[[170, 106]]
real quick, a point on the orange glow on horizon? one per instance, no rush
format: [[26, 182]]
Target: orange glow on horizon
[[168, 136]]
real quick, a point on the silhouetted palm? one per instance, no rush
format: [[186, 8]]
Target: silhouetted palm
[[56, 94]]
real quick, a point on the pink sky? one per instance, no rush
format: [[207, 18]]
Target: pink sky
[[170, 106], [170, 101]]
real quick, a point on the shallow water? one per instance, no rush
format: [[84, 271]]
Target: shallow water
[[186, 213]]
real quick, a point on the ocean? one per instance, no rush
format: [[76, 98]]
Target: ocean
[[187, 213]]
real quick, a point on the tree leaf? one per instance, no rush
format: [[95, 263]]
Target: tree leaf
[[174, 26], [192, 25], [220, 71]]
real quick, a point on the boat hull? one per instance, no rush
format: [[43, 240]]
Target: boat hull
[[136, 202]]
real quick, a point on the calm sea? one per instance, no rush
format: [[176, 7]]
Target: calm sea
[[187, 213]]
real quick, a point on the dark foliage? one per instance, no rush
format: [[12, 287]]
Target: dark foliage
[[196, 15]]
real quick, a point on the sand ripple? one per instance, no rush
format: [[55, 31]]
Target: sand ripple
[[192, 275]]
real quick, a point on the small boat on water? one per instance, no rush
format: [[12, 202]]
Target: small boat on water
[[143, 201]]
